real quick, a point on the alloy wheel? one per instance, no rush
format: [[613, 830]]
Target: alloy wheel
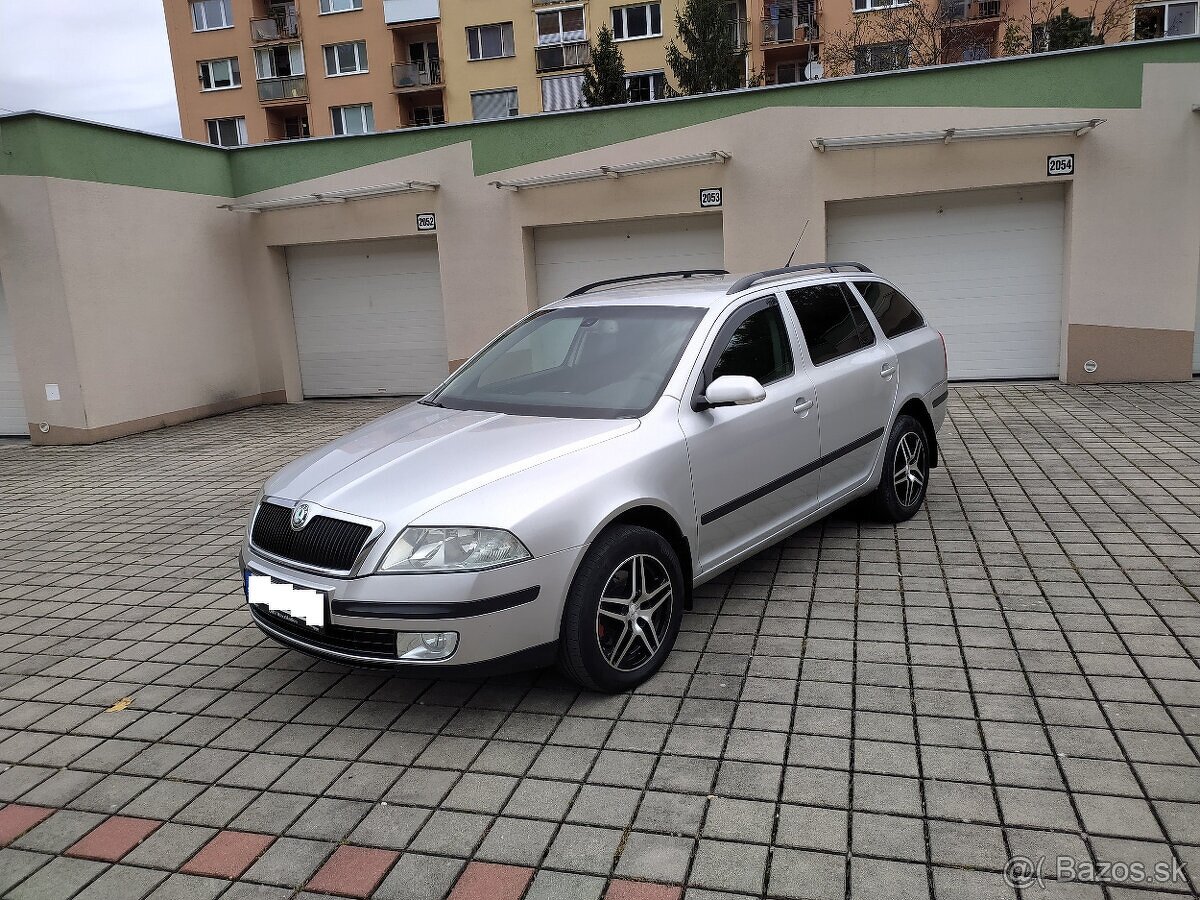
[[634, 613], [908, 467]]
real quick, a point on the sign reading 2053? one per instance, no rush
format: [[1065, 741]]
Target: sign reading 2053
[[710, 197]]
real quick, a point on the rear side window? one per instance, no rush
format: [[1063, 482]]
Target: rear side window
[[758, 348], [895, 314], [833, 322]]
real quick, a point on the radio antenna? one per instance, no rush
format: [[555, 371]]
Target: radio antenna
[[798, 240]]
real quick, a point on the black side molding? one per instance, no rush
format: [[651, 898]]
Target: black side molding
[[938, 401], [373, 609], [758, 493]]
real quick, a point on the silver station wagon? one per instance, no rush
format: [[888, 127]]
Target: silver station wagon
[[559, 496]]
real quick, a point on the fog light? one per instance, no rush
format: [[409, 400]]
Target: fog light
[[428, 646]]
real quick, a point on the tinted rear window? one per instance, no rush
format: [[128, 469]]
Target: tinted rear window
[[895, 314], [833, 323]]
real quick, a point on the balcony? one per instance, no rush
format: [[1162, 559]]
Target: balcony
[[397, 12], [414, 76], [274, 28], [563, 56], [790, 30], [739, 29], [294, 87], [970, 10]]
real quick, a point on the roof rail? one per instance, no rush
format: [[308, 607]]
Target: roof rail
[[684, 273], [750, 280]]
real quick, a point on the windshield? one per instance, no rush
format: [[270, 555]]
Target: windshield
[[597, 362]]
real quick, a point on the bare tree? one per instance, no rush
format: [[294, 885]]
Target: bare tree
[[936, 32]]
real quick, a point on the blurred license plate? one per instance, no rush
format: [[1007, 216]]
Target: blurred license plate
[[301, 604]]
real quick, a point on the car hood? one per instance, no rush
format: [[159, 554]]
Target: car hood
[[417, 458]]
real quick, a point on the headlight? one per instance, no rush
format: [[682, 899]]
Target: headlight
[[452, 550]]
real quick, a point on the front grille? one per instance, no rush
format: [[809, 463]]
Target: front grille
[[375, 643], [323, 543]]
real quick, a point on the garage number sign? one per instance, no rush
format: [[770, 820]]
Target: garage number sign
[[1061, 165], [710, 197], [426, 222]]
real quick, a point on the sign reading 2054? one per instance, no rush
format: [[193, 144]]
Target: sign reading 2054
[[1063, 164]]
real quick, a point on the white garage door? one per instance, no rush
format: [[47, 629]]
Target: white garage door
[[369, 317], [986, 268], [1196, 346], [12, 406], [569, 256]]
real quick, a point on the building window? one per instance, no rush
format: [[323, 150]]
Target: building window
[[644, 86], [346, 59], [357, 119], [490, 41], [865, 5], [493, 104], [220, 74], [208, 15], [562, 92], [640, 21], [227, 132], [428, 115], [1164, 20], [561, 26], [280, 61], [337, 6], [880, 58]]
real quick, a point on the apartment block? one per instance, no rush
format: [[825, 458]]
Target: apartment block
[[251, 71]]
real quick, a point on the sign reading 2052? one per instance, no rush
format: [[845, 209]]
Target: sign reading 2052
[[710, 197], [426, 222], [1061, 165]]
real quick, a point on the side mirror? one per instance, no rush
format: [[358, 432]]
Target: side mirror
[[733, 390]]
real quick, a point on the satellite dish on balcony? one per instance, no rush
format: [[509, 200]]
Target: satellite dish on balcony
[[813, 71]]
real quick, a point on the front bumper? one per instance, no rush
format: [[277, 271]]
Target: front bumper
[[508, 615]]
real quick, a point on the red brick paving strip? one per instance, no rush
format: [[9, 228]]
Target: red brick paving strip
[[491, 881], [228, 854], [642, 890], [353, 871], [113, 838], [16, 819]]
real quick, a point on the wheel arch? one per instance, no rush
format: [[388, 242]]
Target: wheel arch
[[916, 408], [658, 519]]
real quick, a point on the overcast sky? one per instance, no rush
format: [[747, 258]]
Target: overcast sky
[[105, 60]]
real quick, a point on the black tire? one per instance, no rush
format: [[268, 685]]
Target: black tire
[[893, 502], [590, 641]]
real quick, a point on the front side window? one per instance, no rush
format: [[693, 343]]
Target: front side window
[[880, 58], [346, 59], [891, 308], [493, 104], [561, 26], [220, 74], [758, 348], [281, 61], [641, 20], [832, 322], [211, 14], [645, 86], [1165, 20], [336, 6], [356, 119], [227, 132], [490, 41], [601, 362]]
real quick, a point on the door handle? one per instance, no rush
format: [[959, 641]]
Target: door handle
[[888, 370], [802, 406]]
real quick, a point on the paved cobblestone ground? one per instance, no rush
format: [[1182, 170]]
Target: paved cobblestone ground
[[862, 711]]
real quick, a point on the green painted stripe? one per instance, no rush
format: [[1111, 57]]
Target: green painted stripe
[[1093, 79], [35, 144]]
